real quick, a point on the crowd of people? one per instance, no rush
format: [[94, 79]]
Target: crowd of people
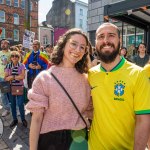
[[81, 97]]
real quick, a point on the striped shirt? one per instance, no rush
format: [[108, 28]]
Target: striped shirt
[[15, 70]]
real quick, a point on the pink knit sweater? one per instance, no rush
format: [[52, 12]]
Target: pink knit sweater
[[48, 97]]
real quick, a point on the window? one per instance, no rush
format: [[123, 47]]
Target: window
[[81, 23], [16, 3], [30, 6], [2, 36], [1, 1], [81, 12], [16, 19], [22, 4], [45, 40], [2, 16], [16, 35], [8, 2]]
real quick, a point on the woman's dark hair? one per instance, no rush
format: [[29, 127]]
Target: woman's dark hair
[[58, 53]]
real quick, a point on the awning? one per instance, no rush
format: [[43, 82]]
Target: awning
[[134, 12]]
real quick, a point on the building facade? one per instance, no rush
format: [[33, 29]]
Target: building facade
[[68, 14], [96, 15], [132, 34], [46, 34], [61, 14], [81, 15], [13, 19]]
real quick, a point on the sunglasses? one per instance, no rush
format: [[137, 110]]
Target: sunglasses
[[14, 56]]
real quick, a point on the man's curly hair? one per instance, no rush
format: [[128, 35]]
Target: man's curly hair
[[58, 53]]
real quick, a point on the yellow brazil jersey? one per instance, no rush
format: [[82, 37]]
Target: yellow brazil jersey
[[147, 69], [118, 96]]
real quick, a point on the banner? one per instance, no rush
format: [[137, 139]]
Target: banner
[[28, 39]]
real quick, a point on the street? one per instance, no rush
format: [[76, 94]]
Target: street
[[16, 138]]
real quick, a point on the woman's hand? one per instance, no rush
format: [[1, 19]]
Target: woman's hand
[[9, 78]]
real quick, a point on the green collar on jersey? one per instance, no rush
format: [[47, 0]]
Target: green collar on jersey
[[118, 66]]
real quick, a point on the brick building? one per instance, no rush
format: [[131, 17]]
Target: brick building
[[13, 19]]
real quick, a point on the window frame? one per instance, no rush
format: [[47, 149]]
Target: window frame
[[45, 40], [3, 16], [16, 36], [81, 23], [3, 35], [81, 12], [9, 2], [2, 2], [22, 4], [16, 21], [16, 3]]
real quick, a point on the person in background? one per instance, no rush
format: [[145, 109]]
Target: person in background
[[15, 73], [55, 122], [42, 48], [21, 52], [49, 50], [121, 97], [142, 58], [92, 60], [4, 60], [35, 61], [123, 52], [14, 48]]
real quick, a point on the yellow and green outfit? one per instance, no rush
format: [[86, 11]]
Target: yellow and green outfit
[[118, 96], [147, 69]]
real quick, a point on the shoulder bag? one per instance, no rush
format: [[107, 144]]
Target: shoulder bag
[[17, 89], [70, 99]]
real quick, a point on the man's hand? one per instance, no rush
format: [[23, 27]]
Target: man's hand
[[38, 66], [32, 66]]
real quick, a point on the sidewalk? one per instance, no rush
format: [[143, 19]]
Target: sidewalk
[[16, 138]]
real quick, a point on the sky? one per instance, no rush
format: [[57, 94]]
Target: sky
[[44, 7]]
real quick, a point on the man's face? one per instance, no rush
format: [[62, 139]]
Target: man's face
[[4, 45], [36, 46], [107, 43], [49, 49]]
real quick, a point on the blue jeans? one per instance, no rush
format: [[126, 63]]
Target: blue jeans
[[19, 101], [4, 98]]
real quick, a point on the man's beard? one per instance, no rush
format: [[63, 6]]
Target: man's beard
[[4, 48], [108, 57]]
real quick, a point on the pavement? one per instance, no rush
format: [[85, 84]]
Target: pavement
[[16, 138]]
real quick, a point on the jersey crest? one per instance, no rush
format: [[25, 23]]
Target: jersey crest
[[119, 88]]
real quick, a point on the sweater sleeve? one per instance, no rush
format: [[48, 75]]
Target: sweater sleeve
[[38, 99]]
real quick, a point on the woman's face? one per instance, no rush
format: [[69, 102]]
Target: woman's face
[[142, 48], [74, 50], [14, 57]]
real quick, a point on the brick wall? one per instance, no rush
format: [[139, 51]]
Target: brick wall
[[9, 21]]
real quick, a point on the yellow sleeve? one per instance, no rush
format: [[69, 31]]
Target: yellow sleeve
[[142, 94]]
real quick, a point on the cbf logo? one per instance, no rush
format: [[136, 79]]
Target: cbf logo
[[119, 88]]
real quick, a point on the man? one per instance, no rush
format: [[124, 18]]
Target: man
[[4, 60], [120, 92], [49, 50], [35, 61]]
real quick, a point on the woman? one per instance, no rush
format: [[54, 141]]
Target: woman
[[15, 72], [92, 60], [142, 57], [54, 118]]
